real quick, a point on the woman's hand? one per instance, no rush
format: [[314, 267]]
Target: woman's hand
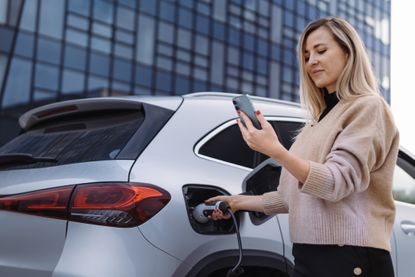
[[265, 140], [218, 214]]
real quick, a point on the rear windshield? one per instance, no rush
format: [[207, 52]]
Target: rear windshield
[[84, 137]]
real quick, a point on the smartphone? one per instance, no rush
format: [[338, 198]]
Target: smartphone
[[243, 103]]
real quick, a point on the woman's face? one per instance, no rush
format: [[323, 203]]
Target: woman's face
[[324, 58]]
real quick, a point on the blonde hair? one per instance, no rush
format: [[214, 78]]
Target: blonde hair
[[357, 77]]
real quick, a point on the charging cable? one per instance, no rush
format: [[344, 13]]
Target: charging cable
[[201, 213]]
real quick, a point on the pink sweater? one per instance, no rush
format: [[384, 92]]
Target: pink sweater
[[347, 197]]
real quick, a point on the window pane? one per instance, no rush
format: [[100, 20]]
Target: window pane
[[184, 39], [75, 57], [97, 84], [167, 11], [79, 6], [78, 22], [24, 45], [51, 25], [3, 11], [166, 33], [185, 18], [77, 37], [101, 44], [143, 75], [73, 82], [18, 82], [101, 29], [49, 51], [217, 63], [6, 38], [163, 81], [125, 37], [103, 11], [28, 18], [47, 76], [99, 64], [145, 39], [123, 51], [122, 70], [148, 6], [125, 18]]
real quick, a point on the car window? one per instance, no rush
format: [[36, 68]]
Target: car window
[[403, 184], [88, 136], [229, 146]]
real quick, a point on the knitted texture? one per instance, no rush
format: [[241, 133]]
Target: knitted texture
[[347, 196]]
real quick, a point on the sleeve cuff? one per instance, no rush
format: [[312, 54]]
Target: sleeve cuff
[[319, 182], [273, 203]]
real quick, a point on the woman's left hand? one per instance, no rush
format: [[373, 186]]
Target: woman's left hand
[[265, 141]]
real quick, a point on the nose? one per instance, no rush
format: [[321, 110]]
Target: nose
[[313, 60]]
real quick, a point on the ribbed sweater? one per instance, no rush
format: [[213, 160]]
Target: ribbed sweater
[[347, 196]]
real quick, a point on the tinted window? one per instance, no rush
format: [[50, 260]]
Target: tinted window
[[228, 145], [80, 138], [404, 182]]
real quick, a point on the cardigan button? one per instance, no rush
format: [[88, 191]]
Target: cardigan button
[[357, 271]]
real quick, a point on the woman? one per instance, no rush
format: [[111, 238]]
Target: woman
[[336, 182]]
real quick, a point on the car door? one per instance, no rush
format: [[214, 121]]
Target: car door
[[404, 227]]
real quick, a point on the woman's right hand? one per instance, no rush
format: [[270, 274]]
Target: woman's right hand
[[218, 214]]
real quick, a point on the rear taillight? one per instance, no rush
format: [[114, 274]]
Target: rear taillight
[[111, 204], [51, 202]]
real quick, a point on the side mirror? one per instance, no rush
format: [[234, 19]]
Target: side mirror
[[263, 178]]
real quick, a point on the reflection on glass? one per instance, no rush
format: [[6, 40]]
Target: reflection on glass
[[166, 32], [163, 81], [101, 29], [24, 45], [101, 44], [76, 37], [145, 39], [17, 89], [28, 18], [125, 18], [122, 70], [143, 75], [167, 11], [75, 57], [103, 11], [217, 63], [51, 18], [78, 22], [121, 50], [73, 82], [79, 6], [3, 61], [46, 76], [49, 51], [184, 38], [97, 84], [99, 64], [3, 11], [185, 18]]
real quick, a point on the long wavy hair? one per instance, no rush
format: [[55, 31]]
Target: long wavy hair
[[357, 77]]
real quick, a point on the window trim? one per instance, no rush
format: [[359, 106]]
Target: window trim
[[229, 123]]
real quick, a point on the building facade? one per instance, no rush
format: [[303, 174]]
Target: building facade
[[58, 49]]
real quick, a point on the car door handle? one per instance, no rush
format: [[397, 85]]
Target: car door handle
[[408, 227]]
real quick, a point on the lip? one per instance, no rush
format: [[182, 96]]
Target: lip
[[316, 71]]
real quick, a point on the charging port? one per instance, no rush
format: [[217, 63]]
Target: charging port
[[196, 194]]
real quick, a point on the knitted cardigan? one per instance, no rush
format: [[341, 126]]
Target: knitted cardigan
[[347, 196]]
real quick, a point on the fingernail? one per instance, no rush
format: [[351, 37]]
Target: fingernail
[[258, 112]]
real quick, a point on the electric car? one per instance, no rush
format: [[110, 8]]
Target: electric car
[[109, 187]]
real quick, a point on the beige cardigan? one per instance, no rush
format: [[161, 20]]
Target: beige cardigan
[[347, 196]]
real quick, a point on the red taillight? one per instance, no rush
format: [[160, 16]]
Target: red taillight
[[51, 202], [119, 204], [111, 204]]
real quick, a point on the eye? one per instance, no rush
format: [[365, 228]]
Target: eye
[[322, 51], [306, 57]]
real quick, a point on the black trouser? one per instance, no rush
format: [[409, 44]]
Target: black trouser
[[340, 261]]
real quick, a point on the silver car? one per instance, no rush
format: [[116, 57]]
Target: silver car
[[109, 187]]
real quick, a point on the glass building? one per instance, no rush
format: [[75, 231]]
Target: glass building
[[59, 49]]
